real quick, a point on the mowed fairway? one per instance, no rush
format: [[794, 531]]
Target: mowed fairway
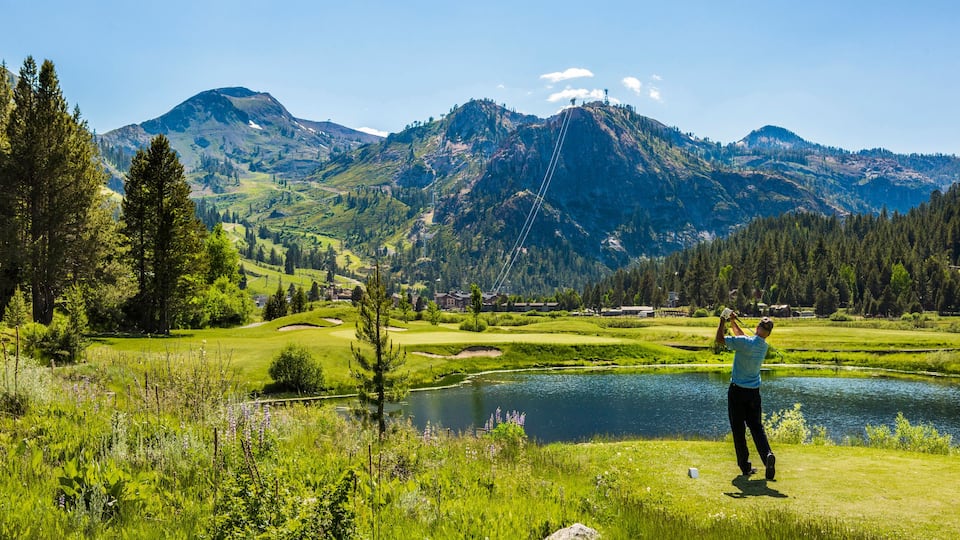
[[250, 350], [801, 335], [410, 339], [329, 333]]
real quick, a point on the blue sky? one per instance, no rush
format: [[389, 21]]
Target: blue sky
[[852, 74]]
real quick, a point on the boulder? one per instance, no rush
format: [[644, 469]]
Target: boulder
[[577, 531]]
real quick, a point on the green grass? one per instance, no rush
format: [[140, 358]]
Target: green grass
[[186, 476], [166, 417], [889, 493], [568, 341]]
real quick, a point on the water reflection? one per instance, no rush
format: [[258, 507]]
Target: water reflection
[[576, 407]]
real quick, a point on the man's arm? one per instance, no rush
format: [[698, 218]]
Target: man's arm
[[721, 333]]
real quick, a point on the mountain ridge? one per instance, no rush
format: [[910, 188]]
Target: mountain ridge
[[449, 195], [239, 129]]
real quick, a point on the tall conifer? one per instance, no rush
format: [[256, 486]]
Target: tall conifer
[[50, 181], [164, 235], [377, 377]]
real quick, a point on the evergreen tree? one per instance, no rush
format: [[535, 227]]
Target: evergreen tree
[[433, 313], [276, 305], [16, 314], [9, 272], [298, 302], [377, 377], [50, 184], [476, 304], [357, 295], [405, 308], [164, 235], [77, 323], [314, 294]]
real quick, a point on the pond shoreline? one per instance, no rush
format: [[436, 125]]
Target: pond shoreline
[[861, 371]]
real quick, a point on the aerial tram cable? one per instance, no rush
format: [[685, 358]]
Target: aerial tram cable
[[537, 203]]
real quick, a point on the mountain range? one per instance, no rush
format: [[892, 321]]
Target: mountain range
[[448, 198]]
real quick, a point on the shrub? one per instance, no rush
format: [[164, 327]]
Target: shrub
[[700, 312], [295, 369], [787, 426], [251, 504], [919, 438], [507, 434], [469, 326], [60, 341]]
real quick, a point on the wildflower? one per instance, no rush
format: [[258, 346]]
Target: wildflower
[[426, 434], [264, 423], [231, 423]]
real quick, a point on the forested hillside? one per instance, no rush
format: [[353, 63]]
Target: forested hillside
[[880, 265]]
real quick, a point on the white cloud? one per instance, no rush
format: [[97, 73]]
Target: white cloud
[[654, 94], [570, 73], [633, 84], [373, 131], [571, 93], [656, 77]]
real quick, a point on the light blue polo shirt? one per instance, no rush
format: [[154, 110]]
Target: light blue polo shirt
[[749, 352]]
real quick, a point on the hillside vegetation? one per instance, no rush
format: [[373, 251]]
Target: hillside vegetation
[[884, 265]]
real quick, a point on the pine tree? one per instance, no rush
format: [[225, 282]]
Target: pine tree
[[163, 233], [377, 377], [476, 305], [298, 302], [50, 183], [276, 305]]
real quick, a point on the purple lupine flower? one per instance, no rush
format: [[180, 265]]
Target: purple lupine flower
[[247, 430], [264, 421], [231, 423]]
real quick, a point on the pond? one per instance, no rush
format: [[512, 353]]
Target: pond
[[580, 406]]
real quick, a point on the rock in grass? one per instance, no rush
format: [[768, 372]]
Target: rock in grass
[[577, 531]]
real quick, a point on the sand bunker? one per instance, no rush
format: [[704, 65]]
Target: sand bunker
[[297, 327], [469, 352], [335, 322]]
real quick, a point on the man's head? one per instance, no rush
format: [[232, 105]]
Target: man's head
[[764, 327]]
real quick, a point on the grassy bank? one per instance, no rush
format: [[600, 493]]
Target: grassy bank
[[524, 341]]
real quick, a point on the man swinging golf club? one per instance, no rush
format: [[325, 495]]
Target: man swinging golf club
[[743, 396]]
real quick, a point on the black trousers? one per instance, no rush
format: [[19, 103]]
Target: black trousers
[[743, 407]]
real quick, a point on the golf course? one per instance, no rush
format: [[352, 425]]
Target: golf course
[[186, 434]]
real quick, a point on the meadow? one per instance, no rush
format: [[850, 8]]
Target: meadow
[[172, 438]]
